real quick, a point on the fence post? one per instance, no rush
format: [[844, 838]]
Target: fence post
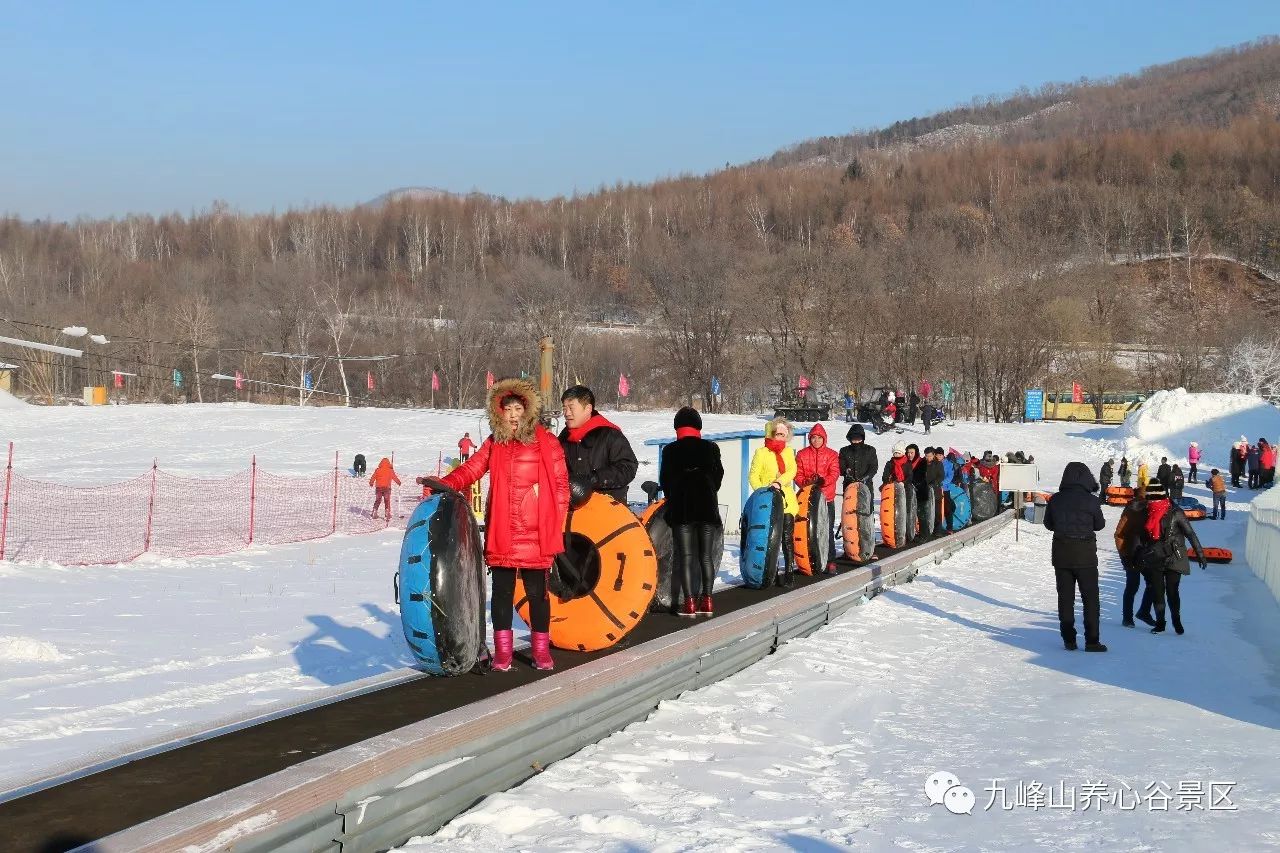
[[4, 519], [151, 508], [335, 493], [253, 492]]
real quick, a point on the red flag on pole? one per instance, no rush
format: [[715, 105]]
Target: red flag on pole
[[435, 381], [1077, 393], [488, 379], [239, 380], [369, 379], [119, 380], [624, 387]]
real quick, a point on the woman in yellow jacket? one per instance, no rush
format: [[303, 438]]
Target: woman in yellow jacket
[[1144, 475], [775, 465]]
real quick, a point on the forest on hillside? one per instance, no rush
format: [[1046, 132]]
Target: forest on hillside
[[996, 263]]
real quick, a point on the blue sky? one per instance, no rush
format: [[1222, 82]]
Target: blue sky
[[151, 107]]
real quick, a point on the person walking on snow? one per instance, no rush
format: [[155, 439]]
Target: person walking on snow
[[848, 408], [465, 447], [690, 475], [928, 412], [1161, 553], [1266, 463], [1176, 483], [525, 512], [1193, 458], [1144, 475], [774, 466], [1165, 473], [599, 456], [1253, 461], [819, 465], [1074, 515], [1123, 472], [1106, 474], [1132, 517], [1218, 486], [383, 476]]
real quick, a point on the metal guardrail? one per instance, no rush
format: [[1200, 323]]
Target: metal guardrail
[[379, 793]]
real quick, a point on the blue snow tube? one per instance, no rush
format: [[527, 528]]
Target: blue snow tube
[[440, 586], [961, 508], [761, 538]]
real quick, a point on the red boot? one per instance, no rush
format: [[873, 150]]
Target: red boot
[[541, 642], [689, 608], [502, 642], [704, 606]]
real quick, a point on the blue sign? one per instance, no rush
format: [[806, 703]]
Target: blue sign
[[1035, 405], [306, 380], [177, 379], [715, 387]]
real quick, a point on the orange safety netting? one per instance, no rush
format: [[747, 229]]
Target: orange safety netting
[[176, 516]]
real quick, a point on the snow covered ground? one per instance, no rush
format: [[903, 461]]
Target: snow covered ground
[[104, 658], [1165, 742]]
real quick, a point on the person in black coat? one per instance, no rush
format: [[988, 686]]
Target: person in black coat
[[913, 406], [1164, 474], [1177, 483], [934, 475], [1106, 475], [1075, 517], [1161, 554], [858, 460], [597, 454], [690, 473]]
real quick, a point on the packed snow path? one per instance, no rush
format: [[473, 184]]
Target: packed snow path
[[828, 744]]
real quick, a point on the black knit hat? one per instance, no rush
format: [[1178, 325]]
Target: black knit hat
[[1155, 489], [856, 433], [688, 417]]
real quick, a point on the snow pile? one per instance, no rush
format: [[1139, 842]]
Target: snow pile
[[28, 650], [8, 402], [1169, 421]]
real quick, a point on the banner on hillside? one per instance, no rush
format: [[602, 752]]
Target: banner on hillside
[[239, 380], [624, 387], [307, 381], [435, 381], [948, 392], [1077, 393], [488, 379], [368, 380]]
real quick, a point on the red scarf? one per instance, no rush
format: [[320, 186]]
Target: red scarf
[[596, 421], [901, 465], [1156, 511], [777, 445], [688, 432]]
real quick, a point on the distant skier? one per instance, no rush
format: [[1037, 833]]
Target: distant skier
[[383, 476], [929, 412], [358, 465], [465, 447], [1193, 457]]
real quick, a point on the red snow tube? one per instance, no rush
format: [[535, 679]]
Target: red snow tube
[[1195, 514], [1212, 555]]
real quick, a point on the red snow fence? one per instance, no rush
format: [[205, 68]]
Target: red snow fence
[[176, 516]]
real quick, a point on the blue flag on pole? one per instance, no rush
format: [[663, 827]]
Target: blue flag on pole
[[715, 386], [177, 379], [306, 380]]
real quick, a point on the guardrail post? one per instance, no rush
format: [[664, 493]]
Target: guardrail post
[[253, 492], [151, 508], [4, 519]]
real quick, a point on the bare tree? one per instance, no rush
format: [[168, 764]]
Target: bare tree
[[198, 327]]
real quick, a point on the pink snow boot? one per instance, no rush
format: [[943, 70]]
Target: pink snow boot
[[502, 642], [541, 642]]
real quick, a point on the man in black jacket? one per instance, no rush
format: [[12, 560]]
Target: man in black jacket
[[858, 461], [1075, 517], [1164, 474], [935, 476], [597, 454]]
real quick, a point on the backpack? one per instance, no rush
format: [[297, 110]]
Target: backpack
[[1156, 555]]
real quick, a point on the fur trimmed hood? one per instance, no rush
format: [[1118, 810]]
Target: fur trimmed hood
[[532, 410]]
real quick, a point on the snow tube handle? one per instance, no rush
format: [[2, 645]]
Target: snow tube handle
[[395, 586]]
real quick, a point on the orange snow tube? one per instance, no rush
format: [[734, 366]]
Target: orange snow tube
[[602, 584], [1212, 555], [812, 537], [1118, 495], [1196, 514]]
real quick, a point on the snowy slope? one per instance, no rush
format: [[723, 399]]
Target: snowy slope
[[827, 744], [1169, 421], [102, 657]]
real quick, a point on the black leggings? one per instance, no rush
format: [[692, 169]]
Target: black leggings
[[694, 559], [504, 592]]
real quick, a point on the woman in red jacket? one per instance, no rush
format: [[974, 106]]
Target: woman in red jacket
[[820, 465], [524, 515]]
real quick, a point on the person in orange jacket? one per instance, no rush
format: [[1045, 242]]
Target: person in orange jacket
[[820, 465], [383, 476], [465, 447]]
